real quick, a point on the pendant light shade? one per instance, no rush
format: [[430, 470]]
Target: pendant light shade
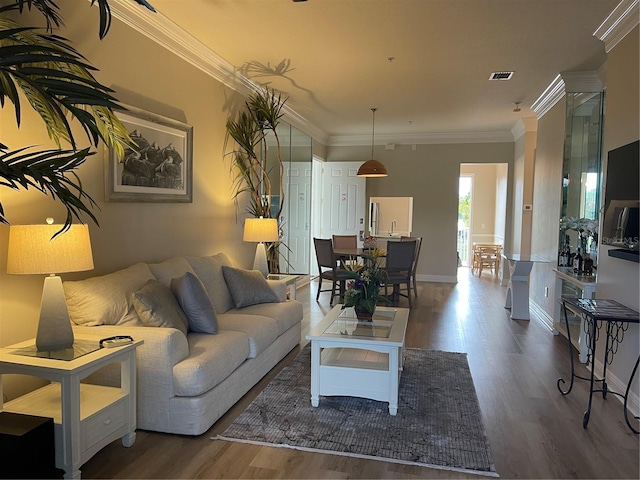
[[372, 168]]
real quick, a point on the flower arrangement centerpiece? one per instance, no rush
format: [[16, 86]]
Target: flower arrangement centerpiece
[[369, 242], [586, 228], [363, 292]]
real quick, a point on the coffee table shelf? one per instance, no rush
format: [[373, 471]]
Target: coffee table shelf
[[351, 361]]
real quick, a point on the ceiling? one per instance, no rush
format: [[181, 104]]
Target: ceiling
[[424, 64]]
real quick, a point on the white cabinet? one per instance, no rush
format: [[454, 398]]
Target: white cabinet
[[87, 417]]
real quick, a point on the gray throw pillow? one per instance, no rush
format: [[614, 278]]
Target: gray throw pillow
[[248, 287], [157, 307], [196, 304]]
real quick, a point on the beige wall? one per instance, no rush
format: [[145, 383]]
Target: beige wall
[[146, 76], [617, 279], [429, 174]]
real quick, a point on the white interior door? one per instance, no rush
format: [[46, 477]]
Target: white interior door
[[296, 217], [342, 200]]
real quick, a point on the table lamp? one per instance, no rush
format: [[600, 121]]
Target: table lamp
[[33, 249], [261, 230]]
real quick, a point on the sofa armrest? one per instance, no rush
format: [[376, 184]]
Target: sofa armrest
[[280, 289], [162, 349]]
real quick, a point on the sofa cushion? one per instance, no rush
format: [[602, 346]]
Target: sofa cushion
[[157, 307], [287, 314], [195, 303], [106, 300], [248, 287], [261, 330], [209, 271], [173, 268], [212, 358]]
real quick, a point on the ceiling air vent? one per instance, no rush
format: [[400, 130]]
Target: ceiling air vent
[[501, 76]]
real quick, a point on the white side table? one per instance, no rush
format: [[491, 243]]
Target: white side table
[[87, 417], [290, 281]]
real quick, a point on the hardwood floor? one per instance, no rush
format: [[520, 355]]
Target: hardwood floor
[[534, 431]]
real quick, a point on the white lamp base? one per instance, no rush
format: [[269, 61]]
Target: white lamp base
[[54, 327], [260, 260]]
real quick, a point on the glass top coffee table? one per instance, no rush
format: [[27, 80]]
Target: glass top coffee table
[[358, 359]]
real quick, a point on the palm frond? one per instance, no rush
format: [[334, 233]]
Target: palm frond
[[48, 171], [57, 81]]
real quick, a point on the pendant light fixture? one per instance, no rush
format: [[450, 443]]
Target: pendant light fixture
[[372, 168]]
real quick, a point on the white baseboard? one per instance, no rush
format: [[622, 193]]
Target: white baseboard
[[541, 315]]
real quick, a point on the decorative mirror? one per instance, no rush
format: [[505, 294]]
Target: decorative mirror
[[581, 175]]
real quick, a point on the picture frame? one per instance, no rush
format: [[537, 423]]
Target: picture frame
[[161, 170]]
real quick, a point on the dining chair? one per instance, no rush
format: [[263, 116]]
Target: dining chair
[[400, 264], [345, 242], [486, 255], [328, 270], [418, 241]]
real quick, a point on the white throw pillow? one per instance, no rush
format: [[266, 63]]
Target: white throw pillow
[[106, 300]]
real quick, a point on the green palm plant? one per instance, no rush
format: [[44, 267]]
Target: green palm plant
[[251, 174], [57, 82], [249, 131]]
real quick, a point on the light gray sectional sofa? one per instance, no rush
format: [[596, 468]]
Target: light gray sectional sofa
[[187, 380]]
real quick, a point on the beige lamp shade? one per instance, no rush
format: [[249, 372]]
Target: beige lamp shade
[[32, 250], [36, 249], [372, 168], [260, 230]]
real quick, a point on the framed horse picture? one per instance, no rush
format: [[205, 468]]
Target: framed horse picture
[[160, 168]]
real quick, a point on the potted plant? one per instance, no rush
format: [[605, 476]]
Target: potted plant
[[57, 81], [363, 292], [251, 173]]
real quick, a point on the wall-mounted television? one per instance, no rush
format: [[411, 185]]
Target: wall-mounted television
[[622, 198]]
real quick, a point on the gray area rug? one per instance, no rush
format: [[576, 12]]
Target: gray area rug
[[438, 425]]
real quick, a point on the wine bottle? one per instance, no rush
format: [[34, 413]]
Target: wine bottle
[[579, 260]]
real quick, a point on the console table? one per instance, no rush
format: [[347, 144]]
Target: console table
[[596, 313], [586, 284], [517, 300], [87, 417]]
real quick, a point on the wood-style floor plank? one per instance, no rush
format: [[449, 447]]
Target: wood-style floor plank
[[534, 431]]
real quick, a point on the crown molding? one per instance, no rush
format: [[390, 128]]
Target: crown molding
[[420, 139], [624, 18], [569, 82], [582, 82], [552, 95], [160, 29]]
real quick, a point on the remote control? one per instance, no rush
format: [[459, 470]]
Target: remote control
[[116, 342]]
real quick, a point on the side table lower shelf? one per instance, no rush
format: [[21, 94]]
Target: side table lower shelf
[[86, 417], [103, 415]]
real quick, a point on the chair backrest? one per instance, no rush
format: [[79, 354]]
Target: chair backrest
[[400, 256], [324, 253], [341, 242], [418, 241]]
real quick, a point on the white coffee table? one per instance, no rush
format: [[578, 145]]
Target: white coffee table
[[358, 359]]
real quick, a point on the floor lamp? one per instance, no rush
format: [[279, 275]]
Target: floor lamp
[[261, 230], [39, 249]]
